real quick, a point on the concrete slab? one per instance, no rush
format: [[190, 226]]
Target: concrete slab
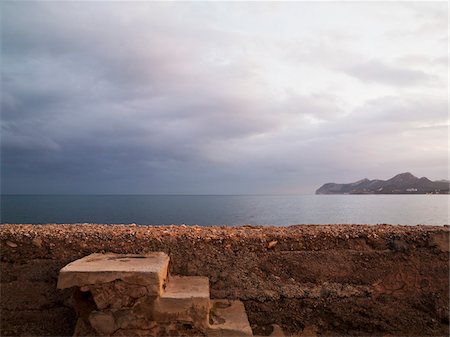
[[149, 270], [185, 300], [228, 319], [181, 287]]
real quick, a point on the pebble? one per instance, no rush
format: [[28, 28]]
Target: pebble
[[272, 244], [37, 242], [11, 244]]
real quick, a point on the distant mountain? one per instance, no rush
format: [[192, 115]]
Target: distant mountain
[[403, 183]]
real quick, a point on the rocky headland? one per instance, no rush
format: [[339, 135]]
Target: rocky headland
[[403, 183]]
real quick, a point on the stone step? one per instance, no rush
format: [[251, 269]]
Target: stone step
[[186, 300], [228, 319], [148, 270]]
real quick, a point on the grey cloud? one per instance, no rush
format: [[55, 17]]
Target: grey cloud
[[380, 72], [442, 61], [403, 111], [321, 106], [17, 141], [381, 134], [153, 98], [431, 18], [421, 60]]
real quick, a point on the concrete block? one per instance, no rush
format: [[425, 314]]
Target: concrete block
[[228, 319], [186, 300], [149, 270]]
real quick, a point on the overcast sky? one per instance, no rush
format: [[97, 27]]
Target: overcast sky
[[220, 98]]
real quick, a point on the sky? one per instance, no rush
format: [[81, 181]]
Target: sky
[[221, 97]]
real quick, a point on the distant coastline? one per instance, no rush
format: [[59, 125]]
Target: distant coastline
[[403, 183]]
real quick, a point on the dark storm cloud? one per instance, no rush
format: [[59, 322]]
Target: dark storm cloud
[[190, 98]]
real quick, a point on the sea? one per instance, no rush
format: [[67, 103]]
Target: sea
[[232, 210]]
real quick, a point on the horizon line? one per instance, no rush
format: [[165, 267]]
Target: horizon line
[[160, 194]]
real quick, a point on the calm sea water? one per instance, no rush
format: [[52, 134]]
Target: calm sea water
[[231, 210]]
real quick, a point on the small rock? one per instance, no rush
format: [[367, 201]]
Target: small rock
[[102, 322], [398, 245], [11, 244], [272, 244], [270, 294], [309, 331], [441, 241], [37, 242], [277, 331]]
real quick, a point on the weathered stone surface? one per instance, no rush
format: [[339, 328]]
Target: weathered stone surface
[[11, 244], [134, 333], [127, 319], [107, 322], [83, 328], [274, 330], [441, 241], [105, 296], [117, 294], [18, 297], [337, 254], [228, 319], [149, 270], [37, 242], [277, 331], [161, 330], [186, 299], [103, 322], [144, 307]]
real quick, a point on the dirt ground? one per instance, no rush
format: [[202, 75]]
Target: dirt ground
[[330, 280]]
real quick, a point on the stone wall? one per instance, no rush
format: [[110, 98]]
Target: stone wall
[[333, 280]]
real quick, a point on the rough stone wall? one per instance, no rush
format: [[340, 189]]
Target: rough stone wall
[[356, 280]]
